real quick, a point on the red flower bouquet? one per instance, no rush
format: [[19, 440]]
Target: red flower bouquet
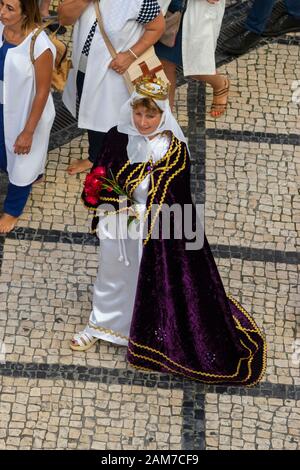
[[96, 182]]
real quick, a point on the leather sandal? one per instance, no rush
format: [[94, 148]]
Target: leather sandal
[[82, 341], [218, 109]]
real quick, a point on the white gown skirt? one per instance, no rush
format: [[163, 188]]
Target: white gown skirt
[[119, 264], [115, 288]]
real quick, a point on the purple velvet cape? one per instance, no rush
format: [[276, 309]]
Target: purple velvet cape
[[183, 322]]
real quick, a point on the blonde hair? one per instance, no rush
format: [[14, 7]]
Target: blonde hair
[[147, 103], [30, 9]]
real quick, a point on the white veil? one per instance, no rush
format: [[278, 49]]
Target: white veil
[[138, 147]]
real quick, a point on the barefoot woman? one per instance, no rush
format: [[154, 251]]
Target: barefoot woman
[[26, 107]]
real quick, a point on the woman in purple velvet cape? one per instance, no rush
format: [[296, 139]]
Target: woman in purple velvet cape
[[182, 322]]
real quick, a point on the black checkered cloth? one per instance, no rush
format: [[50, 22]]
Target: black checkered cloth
[[88, 42], [149, 11]]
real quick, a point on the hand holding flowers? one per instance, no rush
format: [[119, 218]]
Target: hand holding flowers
[[96, 182]]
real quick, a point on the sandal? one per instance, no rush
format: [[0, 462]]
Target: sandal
[[217, 109], [82, 341]]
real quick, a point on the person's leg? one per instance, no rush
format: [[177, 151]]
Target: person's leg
[[78, 166], [171, 57], [253, 29], [258, 16], [220, 85], [95, 140], [14, 204], [170, 71], [95, 145], [3, 158], [3, 163], [288, 22], [293, 7]]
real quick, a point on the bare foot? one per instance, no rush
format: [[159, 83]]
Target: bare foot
[[220, 99], [78, 166], [7, 223]]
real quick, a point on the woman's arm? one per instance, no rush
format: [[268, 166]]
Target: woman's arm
[[70, 10], [152, 33], [43, 67]]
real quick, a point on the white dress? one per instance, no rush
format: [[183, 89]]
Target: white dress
[[200, 31], [119, 262], [19, 90], [104, 91]]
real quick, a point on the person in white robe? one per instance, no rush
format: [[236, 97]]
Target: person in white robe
[[95, 80], [26, 106], [195, 46]]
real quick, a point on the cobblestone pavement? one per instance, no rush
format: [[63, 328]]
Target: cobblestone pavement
[[246, 168]]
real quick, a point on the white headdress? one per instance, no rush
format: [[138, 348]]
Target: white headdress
[[138, 147]]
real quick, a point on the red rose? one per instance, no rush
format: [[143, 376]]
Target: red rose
[[95, 184], [88, 179], [99, 171], [92, 184], [109, 189], [90, 191], [92, 200]]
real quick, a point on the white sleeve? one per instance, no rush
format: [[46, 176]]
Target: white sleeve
[[164, 4], [43, 43]]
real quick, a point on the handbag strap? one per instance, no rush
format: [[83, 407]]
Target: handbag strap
[[109, 45], [52, 36], [34, 37], [107, 41]]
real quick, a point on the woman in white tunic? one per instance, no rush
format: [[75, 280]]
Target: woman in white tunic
[[195, 45], [96, 80], [27, 110]]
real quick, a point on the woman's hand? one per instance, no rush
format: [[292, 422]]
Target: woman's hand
[[152, 32], [122, 62], [23, 143]]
